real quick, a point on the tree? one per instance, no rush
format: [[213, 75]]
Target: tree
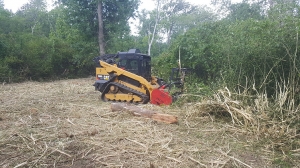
[[87, 16], [101, 27], [244, 11], [5, 19], [170, 19], [149, 40], [172, 10], [153, 33], [35, 14]]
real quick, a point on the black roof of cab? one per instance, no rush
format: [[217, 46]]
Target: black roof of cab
[[132, 54]]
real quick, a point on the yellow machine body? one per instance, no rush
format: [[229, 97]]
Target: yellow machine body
[[107, 70], [126, 77]]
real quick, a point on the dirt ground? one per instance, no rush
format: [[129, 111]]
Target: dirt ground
[[64, 124]]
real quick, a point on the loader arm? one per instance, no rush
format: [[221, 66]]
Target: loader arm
[[113, 69]]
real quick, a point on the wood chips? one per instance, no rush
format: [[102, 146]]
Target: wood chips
[[64, 124]]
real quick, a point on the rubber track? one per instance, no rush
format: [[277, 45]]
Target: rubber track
[[145, 98]]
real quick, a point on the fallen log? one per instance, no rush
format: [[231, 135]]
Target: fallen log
[[166, 118]]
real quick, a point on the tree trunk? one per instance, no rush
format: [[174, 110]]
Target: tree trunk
[[154, 30], [100, 33], [169, 33]]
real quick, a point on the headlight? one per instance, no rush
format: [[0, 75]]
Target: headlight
[[103, 77]]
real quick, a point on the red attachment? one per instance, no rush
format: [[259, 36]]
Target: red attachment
[[160, 97]]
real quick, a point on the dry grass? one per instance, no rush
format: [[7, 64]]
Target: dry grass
[[272, 123], [64, 124]]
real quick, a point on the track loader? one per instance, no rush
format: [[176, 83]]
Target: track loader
[[126, 77]]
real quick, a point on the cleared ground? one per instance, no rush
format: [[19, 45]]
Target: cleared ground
[[64, 124]]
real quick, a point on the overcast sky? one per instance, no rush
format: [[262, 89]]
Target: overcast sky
[[14, 5]]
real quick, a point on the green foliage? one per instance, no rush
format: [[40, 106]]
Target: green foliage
[[36, 58], [115, 17], [174, 18], [40, 45], [3, 49], [4, 19], [240, 52], [194, 91], [198, 50], [244, 11], [34, 17]]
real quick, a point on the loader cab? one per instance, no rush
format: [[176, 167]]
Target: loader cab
[[135, 62]]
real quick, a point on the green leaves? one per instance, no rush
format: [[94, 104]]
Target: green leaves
[[82, 15], [242, 50], [244, 11]]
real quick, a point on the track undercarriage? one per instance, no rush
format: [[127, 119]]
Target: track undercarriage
[[115, 91]]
